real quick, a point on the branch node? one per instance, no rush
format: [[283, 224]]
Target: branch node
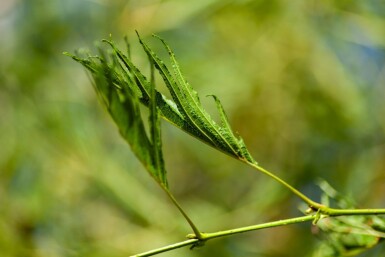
[[198, 244]]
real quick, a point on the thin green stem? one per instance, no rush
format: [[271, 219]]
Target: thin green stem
[[208, 236], [312, 204], [341, 212], [203, 237], [197, 233], [167, 248]]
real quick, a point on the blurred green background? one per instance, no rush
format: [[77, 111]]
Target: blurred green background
[[302, 81]]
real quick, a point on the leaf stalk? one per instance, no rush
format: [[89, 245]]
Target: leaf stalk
[[312, 204], [197, 233]]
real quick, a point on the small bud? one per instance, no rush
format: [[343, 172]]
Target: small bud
[[309, 211]]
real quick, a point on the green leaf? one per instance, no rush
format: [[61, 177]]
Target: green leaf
[[118, 92], [237, 143], [155, 130], [197, 121], [140, 83]]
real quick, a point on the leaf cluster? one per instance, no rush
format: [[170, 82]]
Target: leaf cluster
[[121, 87]]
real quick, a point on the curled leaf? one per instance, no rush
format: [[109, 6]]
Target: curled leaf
[[196, 120]]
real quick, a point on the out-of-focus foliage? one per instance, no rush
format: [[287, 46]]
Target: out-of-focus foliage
[[302, 82], [346, 236]]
